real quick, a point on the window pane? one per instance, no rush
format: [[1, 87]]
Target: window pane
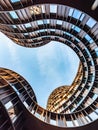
[[91, 22], [53, 8], [13, 1], [13, 14], [76, 14]]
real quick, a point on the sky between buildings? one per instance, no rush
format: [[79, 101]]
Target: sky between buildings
[[45, 68]]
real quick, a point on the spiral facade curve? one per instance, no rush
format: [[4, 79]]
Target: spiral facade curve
[[33, 23]]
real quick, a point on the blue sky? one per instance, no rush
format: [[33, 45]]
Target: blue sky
[[45, 68]]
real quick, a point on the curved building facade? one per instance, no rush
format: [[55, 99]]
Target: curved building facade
[[33, 23], [57, 98], [63, 95]]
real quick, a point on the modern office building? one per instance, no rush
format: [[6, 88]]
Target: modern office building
[[33, 23]]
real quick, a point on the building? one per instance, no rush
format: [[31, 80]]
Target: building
[[62, 96], [33, 23]]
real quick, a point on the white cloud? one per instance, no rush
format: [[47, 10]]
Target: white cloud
[[8, 47], [48, 59]]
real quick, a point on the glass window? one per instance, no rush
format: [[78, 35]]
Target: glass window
[[25, 34], [27, 25], [59, 22], [69, 123], [53, 30], [91, 22], [53, 8], [45, 30], [94, 97], [71, 12], [26, 105], [15, 89], [68, 34], [76, 122], [82, 16], [14, 26], [8, 105], [13, 15], [76, 14], [73, 26], [77, 29], [77, 40], [46, 21], [42, 30], [93, 116], [40, 22], [87, 37], [97, 53], [96, 49], [91, 41], [43, 8], [13, 1]]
